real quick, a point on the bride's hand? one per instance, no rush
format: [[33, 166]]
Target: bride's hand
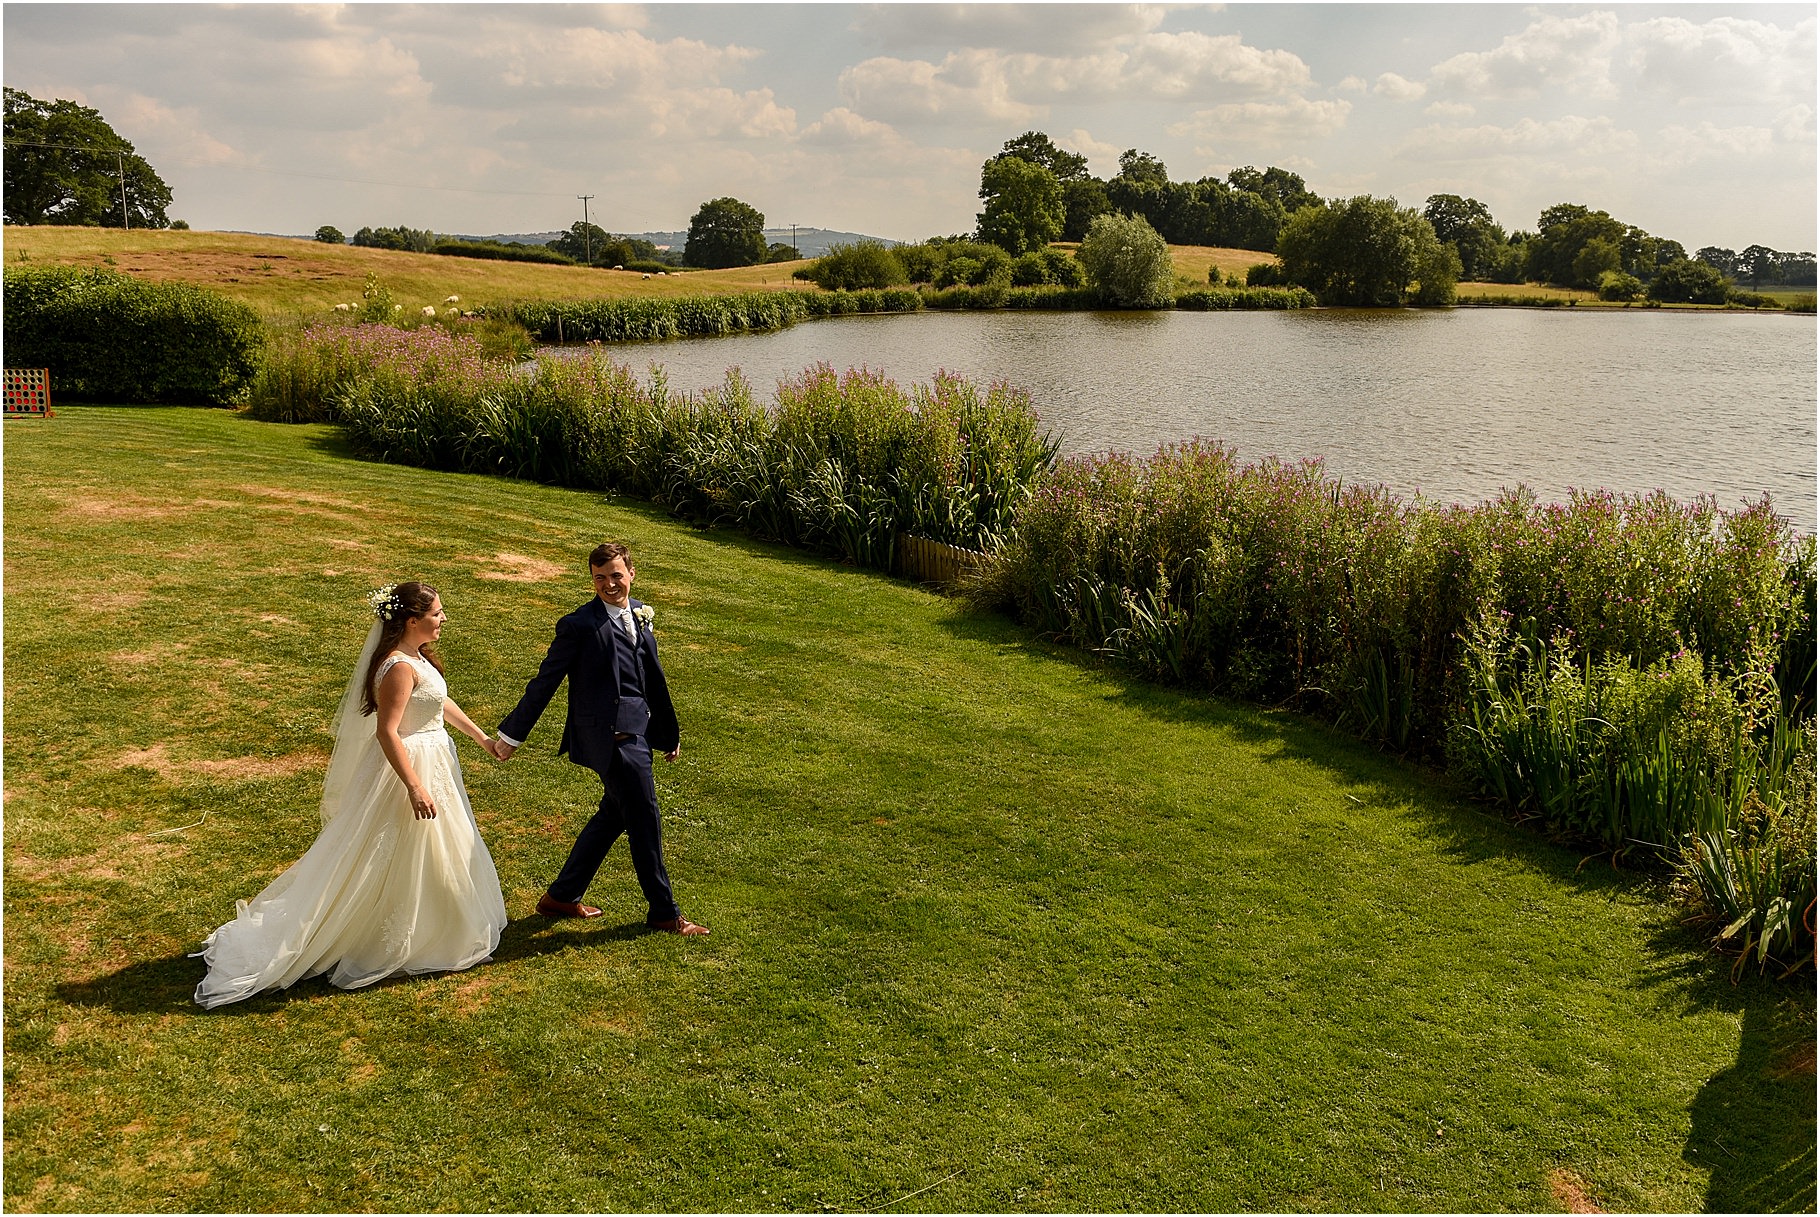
[[421, 806]]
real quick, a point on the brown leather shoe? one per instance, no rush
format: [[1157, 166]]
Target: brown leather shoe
[[550, 907], [682, 925]]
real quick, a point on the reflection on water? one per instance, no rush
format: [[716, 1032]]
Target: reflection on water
[[1453, 403]]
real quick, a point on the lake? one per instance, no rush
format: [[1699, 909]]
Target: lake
[[1454, 403]]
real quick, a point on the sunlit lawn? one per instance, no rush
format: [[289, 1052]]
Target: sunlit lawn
[[994, 928]]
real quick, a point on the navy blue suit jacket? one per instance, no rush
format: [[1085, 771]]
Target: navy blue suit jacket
[[584, 652]]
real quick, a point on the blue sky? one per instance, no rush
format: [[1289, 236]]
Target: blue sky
[[1695, 122]]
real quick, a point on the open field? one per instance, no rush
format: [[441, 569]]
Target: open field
[[995, 928], [283, 275]]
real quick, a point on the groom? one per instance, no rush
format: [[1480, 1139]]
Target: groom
[[619, 709]]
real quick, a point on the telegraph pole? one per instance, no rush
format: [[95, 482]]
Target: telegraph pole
[[587, 238], [126, 221]]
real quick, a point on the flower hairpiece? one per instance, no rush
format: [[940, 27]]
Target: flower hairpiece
[[385, 602]]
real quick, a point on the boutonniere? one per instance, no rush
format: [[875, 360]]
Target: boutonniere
[[644, 613]]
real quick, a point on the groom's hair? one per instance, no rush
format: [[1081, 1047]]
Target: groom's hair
[[606, 551]]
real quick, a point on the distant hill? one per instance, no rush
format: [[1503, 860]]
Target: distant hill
[[812, 242]]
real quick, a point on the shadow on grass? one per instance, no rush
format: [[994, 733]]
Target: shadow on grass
[[1752, 1124], [168, 985], [1470, 832]]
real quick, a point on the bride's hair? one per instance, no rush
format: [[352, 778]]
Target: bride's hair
[[407, 602]]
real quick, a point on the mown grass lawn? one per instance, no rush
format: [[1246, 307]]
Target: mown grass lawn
[[994, 928]]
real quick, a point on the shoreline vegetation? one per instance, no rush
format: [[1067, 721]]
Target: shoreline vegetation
[[1632, 672]]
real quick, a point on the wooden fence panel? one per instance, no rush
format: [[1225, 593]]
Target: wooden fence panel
[[927, 561]]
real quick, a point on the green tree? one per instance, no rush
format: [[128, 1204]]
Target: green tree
[[1081, 201], [1596, 257], [66, 165], [1141, 168], [328, 234], [1687, 282], [1039, 149], [1366, 251], [1466, 224], [725, 232], [1127, 262], [1562, 232], [1023, 204], [588, 244], [781, 251], [1280, 186], [1759, 262]]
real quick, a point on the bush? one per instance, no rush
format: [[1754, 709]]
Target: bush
[[644, 318], [1266, 274], [863, 264], [328, 234], [1688, 282], [109, 337], [1127, 263], [1204, 299], [502, 251], [1616, 285]]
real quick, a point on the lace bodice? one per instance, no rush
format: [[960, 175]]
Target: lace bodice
[[423, 712]]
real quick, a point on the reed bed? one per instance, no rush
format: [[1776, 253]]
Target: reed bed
[[645, 319], [839, 463]]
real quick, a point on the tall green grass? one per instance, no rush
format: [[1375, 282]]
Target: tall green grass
[[644, 319], [840, 464]]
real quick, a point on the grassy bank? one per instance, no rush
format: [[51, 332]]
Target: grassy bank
[[994, 929], [286, 275]]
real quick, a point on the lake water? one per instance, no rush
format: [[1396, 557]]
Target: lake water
[[1455, 403]]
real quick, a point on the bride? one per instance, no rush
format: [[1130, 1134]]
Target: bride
[[399, 881]]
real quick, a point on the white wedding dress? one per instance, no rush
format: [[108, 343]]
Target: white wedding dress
[[380, 893]]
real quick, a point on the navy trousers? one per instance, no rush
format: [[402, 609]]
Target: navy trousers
[[628, 805]]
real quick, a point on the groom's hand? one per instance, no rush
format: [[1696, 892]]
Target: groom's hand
[[503, 750], [673, 753]]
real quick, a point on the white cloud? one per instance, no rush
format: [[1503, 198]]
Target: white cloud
[[1396, 88], [1059, 30], [1557, 138], [1102, 156], [1449, 109], [1724, 59], [975, 84], [969, 84], [1261, 123], [1567, 53], [1685, 145], [1353, 84]]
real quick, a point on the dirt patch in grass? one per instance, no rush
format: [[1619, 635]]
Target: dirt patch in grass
[[157, 758], [129, 506], [514, 568], [1570, 1192]]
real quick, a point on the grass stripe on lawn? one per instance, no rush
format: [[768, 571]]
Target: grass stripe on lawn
[[995, 928]]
